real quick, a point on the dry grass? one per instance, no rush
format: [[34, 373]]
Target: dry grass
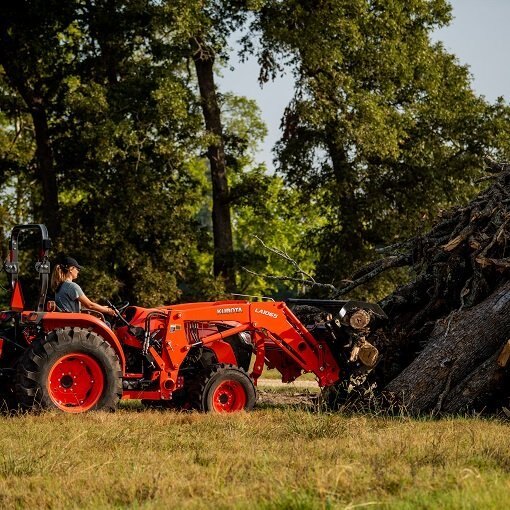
[[271, 458]]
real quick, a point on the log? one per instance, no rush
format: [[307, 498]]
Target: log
[[481, 390], [442, 377], [443, 349]]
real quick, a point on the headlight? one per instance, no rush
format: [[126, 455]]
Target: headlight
[[246, 337]]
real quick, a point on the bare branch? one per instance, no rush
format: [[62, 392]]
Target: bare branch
[[362, 276], [495, 166], [310, 283], [284, 255], [383, 265], [397, 247]]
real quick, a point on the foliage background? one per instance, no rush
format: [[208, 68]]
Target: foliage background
[[100, 98]]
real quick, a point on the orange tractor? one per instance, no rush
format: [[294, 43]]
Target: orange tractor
[[206, 356]]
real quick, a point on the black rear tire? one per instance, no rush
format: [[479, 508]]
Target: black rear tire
[[72, 369]]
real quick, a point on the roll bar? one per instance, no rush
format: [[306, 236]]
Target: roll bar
[[42, 266]]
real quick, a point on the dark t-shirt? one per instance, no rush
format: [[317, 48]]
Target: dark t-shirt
[[66, 297]]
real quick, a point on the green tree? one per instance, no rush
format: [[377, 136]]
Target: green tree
[[384, 128], [33, 64], [122, 134], [128, 131], [264, 210], [16, 150], [207, 25], [119, 126]]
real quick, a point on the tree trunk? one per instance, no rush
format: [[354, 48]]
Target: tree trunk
[[458, 365], [46, 172], [486, 384], [46, 175], [441, 348], [222, 226]]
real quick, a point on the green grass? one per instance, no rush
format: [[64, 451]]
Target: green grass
[[271, 458]]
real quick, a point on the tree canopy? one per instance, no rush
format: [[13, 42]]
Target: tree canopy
[[384, 128], [108, 136]]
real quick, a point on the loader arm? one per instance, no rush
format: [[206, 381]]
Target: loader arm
[[274, 329]]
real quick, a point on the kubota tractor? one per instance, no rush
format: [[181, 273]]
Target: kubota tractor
[[187, 356]]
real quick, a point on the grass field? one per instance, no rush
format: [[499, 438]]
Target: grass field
[[275, 457]]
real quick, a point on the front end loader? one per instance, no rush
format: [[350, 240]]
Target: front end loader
[[205, 356]]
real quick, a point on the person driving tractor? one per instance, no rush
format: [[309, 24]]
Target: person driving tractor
[[69, 296], [183, 356]]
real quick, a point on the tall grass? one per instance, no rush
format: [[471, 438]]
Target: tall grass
[[268, 459]]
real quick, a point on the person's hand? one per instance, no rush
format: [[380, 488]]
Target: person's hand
[[110, 311]]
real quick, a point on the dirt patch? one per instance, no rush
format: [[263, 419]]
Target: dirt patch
[[302, 400], [273, 393], [271, 399], [276, 383]]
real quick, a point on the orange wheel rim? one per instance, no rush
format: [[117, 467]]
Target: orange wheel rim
[[228, 397], [76, 383]]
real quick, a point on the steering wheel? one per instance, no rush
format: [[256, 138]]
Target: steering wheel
[[118, 309]]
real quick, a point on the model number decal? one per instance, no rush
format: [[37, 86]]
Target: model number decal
[[234, 309], [265, 312]]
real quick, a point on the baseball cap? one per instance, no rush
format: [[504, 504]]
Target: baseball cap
[[69, 261]]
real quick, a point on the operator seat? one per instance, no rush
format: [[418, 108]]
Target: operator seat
[[51, 306]]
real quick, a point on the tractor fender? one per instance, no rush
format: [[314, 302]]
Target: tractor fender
[[55, 320], [223, 351]]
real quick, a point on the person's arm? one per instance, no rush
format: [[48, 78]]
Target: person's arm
[[87, 303]]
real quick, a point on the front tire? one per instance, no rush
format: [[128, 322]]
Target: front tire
[[224, 389], [72, 369]]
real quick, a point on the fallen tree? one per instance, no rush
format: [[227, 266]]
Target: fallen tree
[[449, 326]]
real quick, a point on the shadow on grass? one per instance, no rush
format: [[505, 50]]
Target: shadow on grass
[[274, 399]]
